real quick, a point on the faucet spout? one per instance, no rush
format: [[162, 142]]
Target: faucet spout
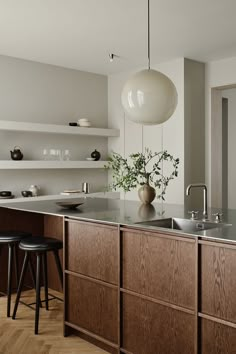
[[204, 187]]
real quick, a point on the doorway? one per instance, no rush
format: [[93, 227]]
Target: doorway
[[223, 147]]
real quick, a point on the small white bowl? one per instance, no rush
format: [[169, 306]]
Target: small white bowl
[[83, 120], [87, 124], [90, 158]]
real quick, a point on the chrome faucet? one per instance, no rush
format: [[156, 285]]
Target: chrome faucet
[[202, 185]]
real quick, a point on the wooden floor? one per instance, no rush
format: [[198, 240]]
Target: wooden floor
[[17, 336]]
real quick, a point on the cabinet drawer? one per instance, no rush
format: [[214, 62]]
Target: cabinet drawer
[[159, 267], [150, 328], [217, 338], [92, 250], [218, 282], [92, 306]]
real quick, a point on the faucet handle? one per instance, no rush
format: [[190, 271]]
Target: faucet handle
[[218, 217], [194, 214]]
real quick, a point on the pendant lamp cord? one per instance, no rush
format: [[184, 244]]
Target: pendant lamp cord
[[148, 35]]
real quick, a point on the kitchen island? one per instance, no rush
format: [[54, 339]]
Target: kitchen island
[[136, 288]]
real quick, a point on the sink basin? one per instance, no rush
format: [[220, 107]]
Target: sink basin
[[186, 225]]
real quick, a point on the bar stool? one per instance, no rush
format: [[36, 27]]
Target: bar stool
[[11, 239], [40, 246]]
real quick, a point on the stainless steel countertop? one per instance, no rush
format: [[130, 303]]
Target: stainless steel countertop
[[124, 212]]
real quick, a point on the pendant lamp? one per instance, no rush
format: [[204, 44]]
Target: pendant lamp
[[149, 97]]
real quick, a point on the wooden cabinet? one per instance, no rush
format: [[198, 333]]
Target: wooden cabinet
[[218, 281], [151, 328], [145, 292], [159, 266], [92, 250], [93, 307], [91, 260], [217, 338], [217, 305]]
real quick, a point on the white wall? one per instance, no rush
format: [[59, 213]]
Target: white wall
[[35, 92], [231, 95], [218, 73], [171, 132]]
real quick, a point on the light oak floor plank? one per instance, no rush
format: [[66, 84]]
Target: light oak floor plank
[[17, 336]]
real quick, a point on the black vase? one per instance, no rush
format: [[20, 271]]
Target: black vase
[[96, 155]]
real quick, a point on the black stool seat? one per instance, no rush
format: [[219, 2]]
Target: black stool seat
[[11, 239], [40, 246], [39, 243], [13, 236]]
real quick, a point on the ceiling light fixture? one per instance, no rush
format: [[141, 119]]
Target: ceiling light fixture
[[149, 97]]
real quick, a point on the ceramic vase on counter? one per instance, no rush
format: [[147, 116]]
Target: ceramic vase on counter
[[146, 194]]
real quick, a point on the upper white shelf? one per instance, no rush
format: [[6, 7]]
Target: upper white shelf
[[31, 165], [56, 129]]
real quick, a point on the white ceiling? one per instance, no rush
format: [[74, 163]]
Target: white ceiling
[[80, 33]]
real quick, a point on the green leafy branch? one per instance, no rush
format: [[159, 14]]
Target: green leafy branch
[[139, 169]]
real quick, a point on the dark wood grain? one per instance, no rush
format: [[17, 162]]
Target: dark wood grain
[[92, 250], [93, 307], [150, 328], [98, 343], [159, 267], [53, 227], [217, 338], [17, 221], [218, 282]]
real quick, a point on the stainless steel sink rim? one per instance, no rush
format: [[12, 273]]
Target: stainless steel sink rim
[[184, 225]]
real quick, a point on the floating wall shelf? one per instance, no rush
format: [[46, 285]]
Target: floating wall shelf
[[56, 129], [31, 165]]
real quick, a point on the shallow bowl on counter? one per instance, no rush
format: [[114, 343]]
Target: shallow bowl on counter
[[70, 204]]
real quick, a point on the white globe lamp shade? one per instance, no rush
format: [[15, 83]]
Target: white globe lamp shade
[[149, 97]]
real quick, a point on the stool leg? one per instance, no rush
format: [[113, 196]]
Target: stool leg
[[16, 265], [58, 263], [9, 279], [21, 282], [33, 276], [37, 293], [45, 276]]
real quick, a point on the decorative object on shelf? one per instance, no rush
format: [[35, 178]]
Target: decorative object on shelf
[[27, 194], [73, 124], [90, 158], [84, 122], [9, 197], [145, 170], [70, 204], [85, 187], [16, 154], [96, 155], [5, 193], [34, 189], [149, 97]]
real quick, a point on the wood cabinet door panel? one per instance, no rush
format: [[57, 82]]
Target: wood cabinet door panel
[[150, 328], [159, 267], [92, 250], [218, 282], [92, 306], [217, 338], [53, 227]]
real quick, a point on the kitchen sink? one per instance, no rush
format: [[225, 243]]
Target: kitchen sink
[[186, 225]]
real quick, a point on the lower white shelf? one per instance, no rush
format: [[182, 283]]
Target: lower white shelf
[[31, 165]]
